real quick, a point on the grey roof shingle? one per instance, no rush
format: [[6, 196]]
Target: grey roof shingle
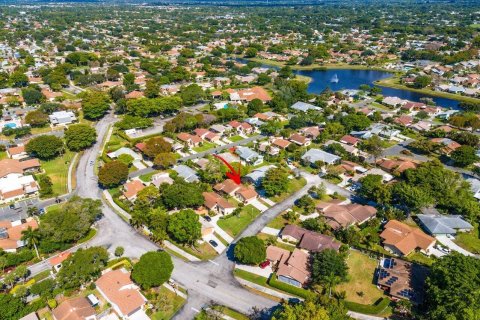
[[440, 224]]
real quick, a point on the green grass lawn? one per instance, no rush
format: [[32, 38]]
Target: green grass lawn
[[235, 224], [204, 147], [279, 222], [469, 240], [147, 177], [262, 281], [235, 138], [225, 243], [230, 313], [57, 170], [360, 288], [171, 304], [294, 186], [279, 244], [115, 143], [3, 155], [420, 258], [202, 251]]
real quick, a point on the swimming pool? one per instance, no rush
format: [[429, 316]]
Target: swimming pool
[[11, 125]]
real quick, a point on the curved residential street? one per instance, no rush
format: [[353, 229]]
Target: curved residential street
[[208, 281]]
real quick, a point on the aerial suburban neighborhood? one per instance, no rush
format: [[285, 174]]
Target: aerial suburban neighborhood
[[250, 159]]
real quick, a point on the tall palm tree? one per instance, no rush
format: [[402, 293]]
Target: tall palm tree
[[31, 237], [330, 282]]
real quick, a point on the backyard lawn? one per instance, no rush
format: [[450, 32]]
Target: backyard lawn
[[57, 170], [235, 224], [3, 155], [360, 287], [469, 240], [171, 303]]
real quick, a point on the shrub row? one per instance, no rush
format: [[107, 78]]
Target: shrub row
[[300, 292], [375, 308]]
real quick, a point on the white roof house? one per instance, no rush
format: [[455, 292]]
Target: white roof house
[[314, 155], [303, 106], [62, 117], [187, 173]]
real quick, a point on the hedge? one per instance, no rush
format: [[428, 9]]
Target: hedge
[[300, 292], [375, 308]]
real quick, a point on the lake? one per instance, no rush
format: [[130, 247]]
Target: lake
[[352, 79]]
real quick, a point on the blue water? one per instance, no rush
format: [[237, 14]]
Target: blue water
[[352, 79], [11, 125]]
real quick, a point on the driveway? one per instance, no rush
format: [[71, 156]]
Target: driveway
[[453, 246], [260, 206], [220, 248]]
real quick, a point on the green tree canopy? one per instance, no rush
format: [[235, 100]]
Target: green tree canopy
[[36, 118], [95, 105], [70, 223], [464, 156], [112, 174], [452, 288], [250, 250], [45, 146], [328, 264], [80, 136], [156, 145], [82, 267], [184, 226], [153, 269], [182, 195], [275, 181]]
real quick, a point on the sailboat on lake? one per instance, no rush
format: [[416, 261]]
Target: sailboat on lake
[[334, 79]]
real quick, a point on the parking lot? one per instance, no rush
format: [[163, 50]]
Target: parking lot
[[19, 211]]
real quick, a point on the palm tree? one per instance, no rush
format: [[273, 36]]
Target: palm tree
[[32, 211], [330, 282], [31, 237]]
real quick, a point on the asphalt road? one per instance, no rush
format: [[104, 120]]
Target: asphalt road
[[206, 282]]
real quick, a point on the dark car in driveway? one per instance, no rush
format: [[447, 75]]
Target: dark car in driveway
[[207, 218], [213, 243]]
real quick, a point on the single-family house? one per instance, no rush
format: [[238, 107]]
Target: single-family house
[[256, 175], [308, 240], [300, 140], [342, 216], [160, 178], [131, 189], [217, 204], [401, 279], [122, 294], [14, 184], [187, 173], [290, 267], [17, 153], [62, 117], [402, 239], [11, 233], [439, 224], [248, 155], [74, 309], [304, 107], [314, 155]]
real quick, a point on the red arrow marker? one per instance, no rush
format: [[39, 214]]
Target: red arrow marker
[[232, 174]]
